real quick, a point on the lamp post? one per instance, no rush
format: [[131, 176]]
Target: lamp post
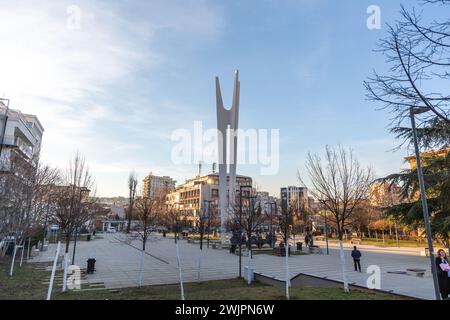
[[240, 228], [326, 227], [413, 111], [208, 218], [272, 204]]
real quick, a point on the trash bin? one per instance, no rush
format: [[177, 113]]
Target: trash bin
[[88, 237], [299, 246], [90, 265]]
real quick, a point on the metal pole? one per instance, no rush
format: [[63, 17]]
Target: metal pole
[[240, 232], [326, 230], [74, 245], [287, 256], [425, 206]]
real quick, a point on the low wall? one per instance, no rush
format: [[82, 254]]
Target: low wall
[[312, 281]]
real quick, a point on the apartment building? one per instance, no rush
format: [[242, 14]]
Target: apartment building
[[157, 186], [196, 194], [20, 137], [294, 195]]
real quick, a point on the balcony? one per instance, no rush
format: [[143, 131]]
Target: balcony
[[18, 144]]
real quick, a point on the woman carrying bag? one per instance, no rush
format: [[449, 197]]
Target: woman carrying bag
[[443, 272]]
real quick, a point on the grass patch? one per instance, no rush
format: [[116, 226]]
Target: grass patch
[[28, 283]]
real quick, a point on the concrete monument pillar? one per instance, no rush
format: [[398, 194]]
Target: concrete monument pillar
[[227, 125]]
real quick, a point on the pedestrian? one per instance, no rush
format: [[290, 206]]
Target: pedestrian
[[311, 241], [443, 273], [307, 240], [356, 255]]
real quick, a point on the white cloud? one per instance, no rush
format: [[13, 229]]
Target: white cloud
[[65, 76]]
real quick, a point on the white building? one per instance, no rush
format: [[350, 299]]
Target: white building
[[20, 137], [158, 186], [292, 194]]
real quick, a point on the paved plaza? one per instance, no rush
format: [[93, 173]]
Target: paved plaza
[[118, 260]]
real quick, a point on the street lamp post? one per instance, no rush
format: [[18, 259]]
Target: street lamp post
[[209, 220], [272, 204], [413, 111], [240, 228], [326, 228]]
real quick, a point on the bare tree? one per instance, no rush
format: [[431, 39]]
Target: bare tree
[[148, 210], [341, 184], [418, 52], [23, 193], [72, 198], [132, 184]]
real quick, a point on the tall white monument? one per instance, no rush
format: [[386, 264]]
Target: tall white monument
[[227, 125]]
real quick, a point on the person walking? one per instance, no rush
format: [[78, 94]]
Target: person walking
[[307, 240], [356, 255], [443, 273]]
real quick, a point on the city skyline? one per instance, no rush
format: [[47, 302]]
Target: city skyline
[[127, 77]]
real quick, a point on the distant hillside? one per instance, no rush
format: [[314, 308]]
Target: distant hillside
[[118, 201]]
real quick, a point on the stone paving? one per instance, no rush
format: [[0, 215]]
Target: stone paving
[[118, 261]]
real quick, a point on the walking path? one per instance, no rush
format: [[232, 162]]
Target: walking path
[[118, 260]]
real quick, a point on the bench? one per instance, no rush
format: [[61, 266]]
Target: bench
[[315, 250], [281, 251], [355, 241], [416, 272]]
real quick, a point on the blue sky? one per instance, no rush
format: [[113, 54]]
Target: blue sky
[[135, 71]]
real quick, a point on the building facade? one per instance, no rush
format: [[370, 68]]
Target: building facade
[[294, 195], [20, 137], [157, 186], [195, 196]]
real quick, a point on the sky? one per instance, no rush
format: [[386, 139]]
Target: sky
[[114, 79]]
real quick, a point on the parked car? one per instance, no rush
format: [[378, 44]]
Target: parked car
[[111, 230]]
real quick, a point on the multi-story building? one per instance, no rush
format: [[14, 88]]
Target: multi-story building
[[291, 195], [266, 201], [20, 137], [427, 156], [157, 186], [197, 194]]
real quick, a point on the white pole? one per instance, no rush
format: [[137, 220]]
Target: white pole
[[64, 287], [141, 267], [13, 259], [21, 255], [52, 278], [287, 268], [344, 271], [181, 274]]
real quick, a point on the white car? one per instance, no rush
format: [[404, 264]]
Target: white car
[[111, 230]]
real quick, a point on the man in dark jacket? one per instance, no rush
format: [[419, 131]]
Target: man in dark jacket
[[356, 255]]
